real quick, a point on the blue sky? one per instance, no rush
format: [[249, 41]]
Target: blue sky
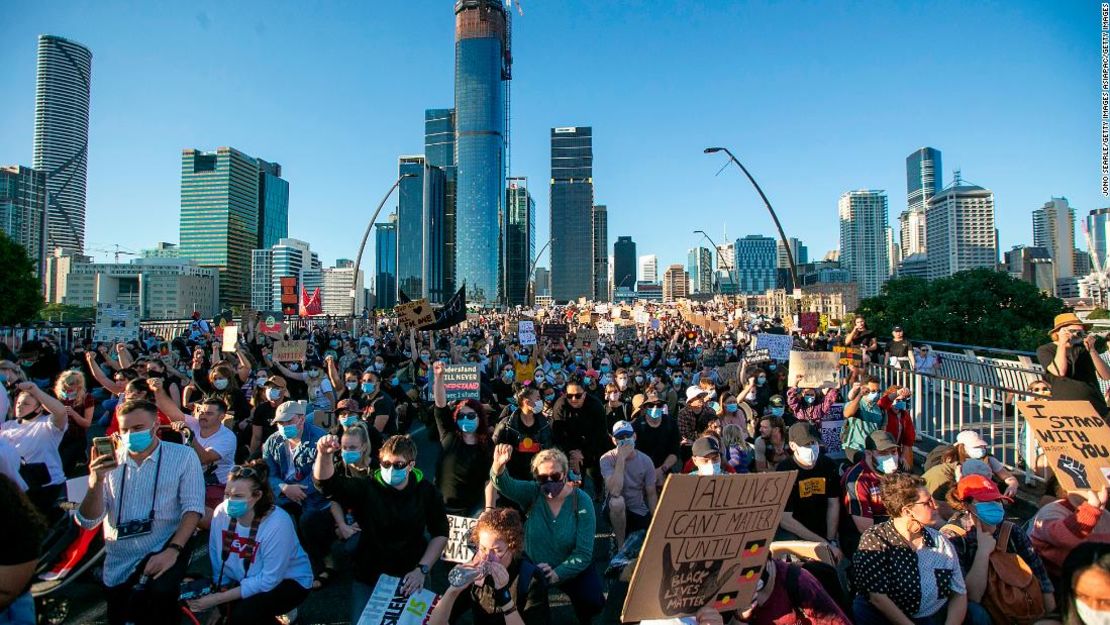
[[816, 98]]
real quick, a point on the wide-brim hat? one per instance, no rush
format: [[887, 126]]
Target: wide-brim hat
[[1067, 319]]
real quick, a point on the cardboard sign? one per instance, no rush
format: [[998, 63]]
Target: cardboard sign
[[290, 351], [809, 322], [757, 356], [849, 356], [389, 606], [818, 369], [655, 324], [415, 314], [116, 323], [624, 334], [713, 359], [270, 322], [526, 332], [641, 317], [458, 539], [601, 309], [230, 340], [462, 382], [584, 316], [777, 345], [606, 328], [1075, 439], [729, 371], [831, 428], [708, 542], [555, 331], [586, 338]]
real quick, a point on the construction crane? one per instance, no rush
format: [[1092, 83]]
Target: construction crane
[[116, 253]]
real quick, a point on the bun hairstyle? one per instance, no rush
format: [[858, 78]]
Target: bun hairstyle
[[258, 474], [523, 394]]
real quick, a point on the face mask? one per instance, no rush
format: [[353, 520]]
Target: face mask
[[368, 387], [900, 404], [751, 397], [807, 455], [507, 376], [551, 490], [678, 381], [655, 413], [672, 361], [761, 380], [396, 381], [810, 399], [1091, 616], [273, 394], [613, 396], [237, 507], [378, 366], [977, 452], [425, 357], [710, 469], [295, 367], [549, 398], [352, 386], [639, 379], [220, 384], [645, 362], [137, 442], [772, 367], [363, 352], [522, 357], [395, 477], [990, 512], [351, 456], [628, 442], [606, 368], [349, 420], [777, 412], [622, 383], [468, 426], [871, 397], [626, 360], [289, 431], [731, 407], [605, 379], [888, 464], [537, 406], [315, 373]]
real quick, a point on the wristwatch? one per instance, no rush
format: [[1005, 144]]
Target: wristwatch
[[423, 568]]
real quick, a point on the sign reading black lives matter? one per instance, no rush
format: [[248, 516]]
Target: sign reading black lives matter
[[1075, 439], [458, 539], [707, 544], [461, 382]]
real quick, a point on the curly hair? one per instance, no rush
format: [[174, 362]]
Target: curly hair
[[505, 523], [899, 490], [70, 378]]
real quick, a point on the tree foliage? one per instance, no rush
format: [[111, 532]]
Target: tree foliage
[[66, 312], [20, 289], [1098, 313], [976, 307]]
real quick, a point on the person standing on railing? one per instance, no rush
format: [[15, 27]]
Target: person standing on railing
[[862, 337], [899, 351], [1072, 364]]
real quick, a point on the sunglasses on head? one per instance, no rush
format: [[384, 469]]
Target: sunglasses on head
[[397, 466], [240, 471], [553, 477]]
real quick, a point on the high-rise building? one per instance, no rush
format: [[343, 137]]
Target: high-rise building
[[676, 283], [726, 269], [483, 68], [699, 266], [599, 242], [221, 215], [1083, 265], [572, 201], [520, 241], [755, 260], [800, 252], [59, 263], [385, 263], [420, 230], [1098, 237], [439, 151], [923, 181], [61, 150], [863, 239], [961, 230], [289, 258], [162, 288], [273, 204], [543, 282], [1054, 230], [23, 211], [624, 264], [1033, 265], [893, 252], [648, 269], [335, 294], [162, 250]]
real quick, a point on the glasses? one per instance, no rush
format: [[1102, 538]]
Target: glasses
[[930, 503], [468, 416], [575, 395], [396, 466], [623, 437], [552, 477]]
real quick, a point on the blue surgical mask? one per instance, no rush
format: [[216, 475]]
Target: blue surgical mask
[[273, 394], [645, 362], [810, 399], [349, 419], [237, 507], [655, 412], [710, 469], [761, 380], [351, 386], [351, 456], [606, 368], [220, 384], [990, 512], [138, 441], [871, 397], [368, 387], [900, 404], [289, 431], [537, 406], [522, 357], [396, 381], [888, 464], [395, 477], [731, 407], [507, 376], [777, 412], [468, 426]]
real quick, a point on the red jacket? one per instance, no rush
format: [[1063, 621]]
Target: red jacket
[[898, 422]]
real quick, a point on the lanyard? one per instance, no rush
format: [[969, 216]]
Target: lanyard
[[247, 553], [122, 490]]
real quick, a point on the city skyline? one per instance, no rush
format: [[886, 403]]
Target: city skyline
[[129, 118]]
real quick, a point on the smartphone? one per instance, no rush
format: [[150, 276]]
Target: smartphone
[[104, 446]]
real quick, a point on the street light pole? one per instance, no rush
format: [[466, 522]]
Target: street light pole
[[362, 246], [531, 282], [728, 265], [774, 217]]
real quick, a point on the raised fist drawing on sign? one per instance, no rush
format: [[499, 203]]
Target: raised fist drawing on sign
[[688, 586]]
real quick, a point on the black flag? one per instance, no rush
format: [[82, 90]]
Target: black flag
[[452, 313], [402, 298]]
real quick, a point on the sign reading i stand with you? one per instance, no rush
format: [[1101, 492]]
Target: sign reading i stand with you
[[1075, 439], [461, 382]]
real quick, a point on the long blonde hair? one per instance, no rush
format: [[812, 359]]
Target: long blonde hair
[[70, 378]]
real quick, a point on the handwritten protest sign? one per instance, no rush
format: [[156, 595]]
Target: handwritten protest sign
[[757, 356], [809, 322], [713, 359], [606, 327], [415, 314], [1075, 439], [624, 333], [389, 606], [555, 331], [729, 371], [458, 539], [707, 543], [849, 356], [641, 316], [818, 369], [777, 345], [116, 322], [290, 351], [526, 332], [230, 339], [831, 428], [461, 382], [586, 338]]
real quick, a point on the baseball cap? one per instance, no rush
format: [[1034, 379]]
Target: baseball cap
[[803, 433], [881, 440], [896, 329], [289, 410], [622, 427], [276, 380], [776, 401], [970, 439], [695, 392], [978, 488], [705, 446]]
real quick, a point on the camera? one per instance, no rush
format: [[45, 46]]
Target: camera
[[131, 529]]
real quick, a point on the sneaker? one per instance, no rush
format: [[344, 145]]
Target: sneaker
[[288, 618]]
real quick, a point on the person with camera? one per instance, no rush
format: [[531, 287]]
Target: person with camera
[[149, 495], [1072, 364]]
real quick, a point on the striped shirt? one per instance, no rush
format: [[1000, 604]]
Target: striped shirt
[[180, 489]]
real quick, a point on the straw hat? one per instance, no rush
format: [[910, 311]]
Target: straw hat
[[1067, 319]]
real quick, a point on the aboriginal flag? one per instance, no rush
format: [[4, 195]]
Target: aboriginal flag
[[750, 574], [726, 601], [755, 548]]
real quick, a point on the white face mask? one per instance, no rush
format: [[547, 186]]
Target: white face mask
[[1091, 616], [807, 455], [888, 464], [977, 452], [710, 469]]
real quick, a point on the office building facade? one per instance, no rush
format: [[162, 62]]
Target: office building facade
[[699, 266], [439, 151], [1033, 265], [385, 263], [648, 269], [676, 283], [756, 257], [543, 283], [273, 204], [923, 181], [863, 239], [520, 241], [599, 242], [61, 149], [335, 292], [483, 67], [1054, 230], [289, 258], [961, 231], [624, 263], [420, 229], [162, 288], [797, 248], [572, 201], [23, 211]]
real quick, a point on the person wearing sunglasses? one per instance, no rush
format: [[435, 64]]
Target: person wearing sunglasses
[[1072, 363], [559, 528], [629, 475], [578, 421], [403, 521], [906, 571], [464, 463]]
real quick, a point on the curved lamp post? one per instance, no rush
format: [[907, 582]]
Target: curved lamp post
[[531, 281], [728, 265], [365, 236]]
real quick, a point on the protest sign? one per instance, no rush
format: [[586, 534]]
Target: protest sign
[[849, 356], [230, 339], [757, 356], [730, 371], [818, 369], [555, 331], [1075, 439], [601, 309], [606, 327], [832, 426], [415, 314], [655, 324], [586, 338], [777, 345], [707, 545], [290, 299], [458, 539], [461, 382], [269, 322], [389, 606], [584, 316], [641, 317], [526, 332], [290, 351], [713, 359], [116, 322], [624, 333], [809, 322]]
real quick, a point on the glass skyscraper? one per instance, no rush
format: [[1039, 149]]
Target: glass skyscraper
[[923, 181], [385, 263], [572, 201], [482, 71], [624, 264], [600, 243], [520, 241], [420, 230], [439, 151], [23, 211], [61, 148], [273, 204], [755, 260], [863, 239]]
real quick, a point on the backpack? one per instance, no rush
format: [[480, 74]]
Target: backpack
[[1014, 594]]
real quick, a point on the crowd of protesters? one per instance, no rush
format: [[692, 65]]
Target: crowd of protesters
[[296, 474]]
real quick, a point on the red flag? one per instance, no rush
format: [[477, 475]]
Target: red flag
[[310, 304]]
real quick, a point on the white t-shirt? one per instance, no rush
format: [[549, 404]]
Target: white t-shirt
[[37, 441], [278, 555], [319, 401], [222, 442]]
